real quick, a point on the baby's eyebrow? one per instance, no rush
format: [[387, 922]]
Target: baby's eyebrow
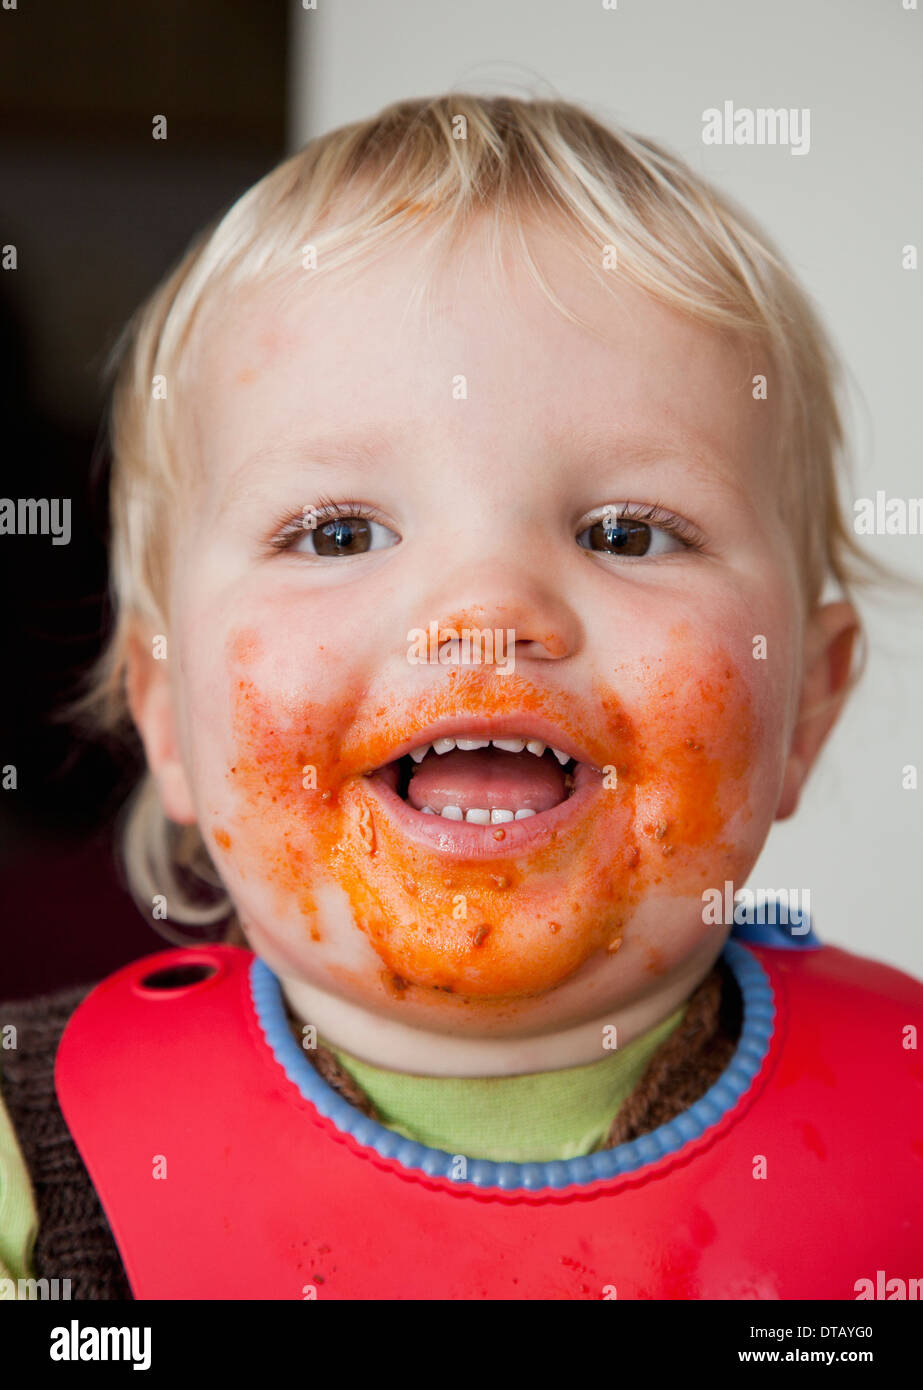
[[700, 458], [598, 446], [321, 451], [318, 452]]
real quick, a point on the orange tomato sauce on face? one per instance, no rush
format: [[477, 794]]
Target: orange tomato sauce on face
[[517, 925]]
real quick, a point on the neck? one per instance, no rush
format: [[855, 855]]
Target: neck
[[395, 1046]]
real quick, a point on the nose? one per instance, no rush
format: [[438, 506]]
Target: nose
[[527, 609]]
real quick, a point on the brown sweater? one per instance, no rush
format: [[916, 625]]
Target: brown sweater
[[74, 1240]]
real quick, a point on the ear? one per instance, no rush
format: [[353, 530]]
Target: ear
[[828, 648], [150, 699]]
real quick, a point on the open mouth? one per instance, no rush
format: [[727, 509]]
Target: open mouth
[[483, 780]]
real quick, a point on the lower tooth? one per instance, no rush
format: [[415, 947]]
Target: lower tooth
[[478, 816]]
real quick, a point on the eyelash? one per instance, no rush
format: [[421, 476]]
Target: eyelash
[[657, 515], [292, 528]]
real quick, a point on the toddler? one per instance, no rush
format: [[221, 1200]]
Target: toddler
[[474, 499]]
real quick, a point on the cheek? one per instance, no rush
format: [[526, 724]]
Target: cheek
[[693, 753], [671, 817]]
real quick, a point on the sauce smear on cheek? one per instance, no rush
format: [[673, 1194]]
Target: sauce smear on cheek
[[513, 926]]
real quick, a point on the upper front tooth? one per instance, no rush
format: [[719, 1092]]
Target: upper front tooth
[[508, 745]]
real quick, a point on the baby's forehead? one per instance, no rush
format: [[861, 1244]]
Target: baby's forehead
[[249, 319], [369, 341], [425, 281], [399, 297]]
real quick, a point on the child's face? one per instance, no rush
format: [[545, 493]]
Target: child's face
[[489, 435]]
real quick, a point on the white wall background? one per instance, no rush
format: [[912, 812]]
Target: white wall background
[[841, 214]]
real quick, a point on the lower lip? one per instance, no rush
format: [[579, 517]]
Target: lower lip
[[462, 840]]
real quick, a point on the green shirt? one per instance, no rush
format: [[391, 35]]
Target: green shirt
[[18, 1217], [511, 1119]]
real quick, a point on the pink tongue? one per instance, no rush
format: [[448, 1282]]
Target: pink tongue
[[487, 778]]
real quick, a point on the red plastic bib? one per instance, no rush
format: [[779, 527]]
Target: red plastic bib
[[219, 1180]]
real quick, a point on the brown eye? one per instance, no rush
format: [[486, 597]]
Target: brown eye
[[341, 530], [620, 536], [634, 537], [346, 535]]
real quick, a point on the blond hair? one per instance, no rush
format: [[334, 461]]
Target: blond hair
[[432, 165]]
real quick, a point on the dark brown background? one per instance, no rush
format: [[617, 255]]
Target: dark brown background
[[98, 211]]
